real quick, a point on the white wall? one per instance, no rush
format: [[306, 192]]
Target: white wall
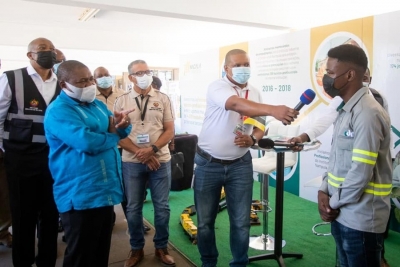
[[13, 57]]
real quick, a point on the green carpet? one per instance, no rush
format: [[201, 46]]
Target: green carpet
[[299, 217]]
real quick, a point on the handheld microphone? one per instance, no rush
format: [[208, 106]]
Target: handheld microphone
[[266, 143], [269, 144], [306, 98]]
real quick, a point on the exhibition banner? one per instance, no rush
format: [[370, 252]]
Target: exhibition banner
[[283, 67]]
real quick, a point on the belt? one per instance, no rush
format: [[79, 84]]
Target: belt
[[207, 156]]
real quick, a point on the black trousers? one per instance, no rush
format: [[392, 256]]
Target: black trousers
[[88, 234], [32, 205]]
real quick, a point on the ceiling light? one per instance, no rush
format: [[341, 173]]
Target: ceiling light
[[88, 14]]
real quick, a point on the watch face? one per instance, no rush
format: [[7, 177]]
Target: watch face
[[155, 149]]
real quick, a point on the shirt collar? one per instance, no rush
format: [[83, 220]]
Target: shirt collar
[[136, 94], [31, 71], [234, 85], [98, 93], [354, 99]]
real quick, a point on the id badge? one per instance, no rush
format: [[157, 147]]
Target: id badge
[[143, 139], [239, 129]]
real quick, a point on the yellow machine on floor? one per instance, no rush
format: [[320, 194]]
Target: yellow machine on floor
[[190, 228]]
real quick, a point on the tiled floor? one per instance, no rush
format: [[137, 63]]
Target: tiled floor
[[119, 248]]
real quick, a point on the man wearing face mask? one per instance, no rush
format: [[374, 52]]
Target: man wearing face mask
[[146, 159], [83, 135], [355, 191], [223, 158], [106, 93], [329, 116], [60, 58], [24, 96]]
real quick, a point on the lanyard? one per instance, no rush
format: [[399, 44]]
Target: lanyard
[[142, 112], [247, 93]]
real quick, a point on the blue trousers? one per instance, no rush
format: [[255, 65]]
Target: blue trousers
[[136, 175], [357, 248], [237, 180]]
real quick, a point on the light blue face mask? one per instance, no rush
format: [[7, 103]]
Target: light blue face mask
[[104, 82], [55, 67], [241, 74]]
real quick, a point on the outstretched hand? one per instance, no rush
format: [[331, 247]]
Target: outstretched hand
[[296, 140], [122, 119], [284, 114]]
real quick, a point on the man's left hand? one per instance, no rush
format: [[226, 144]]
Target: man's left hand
[[144, 154], [243, 140]]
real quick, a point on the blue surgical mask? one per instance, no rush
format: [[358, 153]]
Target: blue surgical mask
[[55, 67], [104, 82], [241, 74]]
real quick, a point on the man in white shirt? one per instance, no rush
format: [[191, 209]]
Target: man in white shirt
[[223, 158], [24, 96]]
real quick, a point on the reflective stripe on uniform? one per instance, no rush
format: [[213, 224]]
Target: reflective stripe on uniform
[[378, 189], [334, 180], [372, 188], [364, 156]]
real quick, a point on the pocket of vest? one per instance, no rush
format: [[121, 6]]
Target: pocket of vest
[[21, 130]]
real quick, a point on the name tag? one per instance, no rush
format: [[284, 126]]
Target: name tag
[[143, 139], [239, 129]]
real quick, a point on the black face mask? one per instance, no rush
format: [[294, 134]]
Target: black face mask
[[46, 59], [328, 84]]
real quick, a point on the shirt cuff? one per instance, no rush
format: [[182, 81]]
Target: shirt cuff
[[310, 134]]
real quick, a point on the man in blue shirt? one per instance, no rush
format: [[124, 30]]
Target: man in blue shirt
[[86, 166]]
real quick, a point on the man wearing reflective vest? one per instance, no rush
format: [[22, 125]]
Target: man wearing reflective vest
[[355, 192], [24, 96]]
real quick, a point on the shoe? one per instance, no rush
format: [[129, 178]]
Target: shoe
[[384, 263], [146, 228], [134, 257], [6, 240], [163, 255]]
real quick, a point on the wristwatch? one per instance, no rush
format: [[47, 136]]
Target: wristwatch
[[254, 139], [155, 148]]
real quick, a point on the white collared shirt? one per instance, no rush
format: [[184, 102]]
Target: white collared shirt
[[217, 133], [329, 116], [46, 88]]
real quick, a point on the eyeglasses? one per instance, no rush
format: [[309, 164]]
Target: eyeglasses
[[141, 73]]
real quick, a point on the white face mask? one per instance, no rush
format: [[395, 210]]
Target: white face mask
[[87, 94], [144, 82], [365, 84]]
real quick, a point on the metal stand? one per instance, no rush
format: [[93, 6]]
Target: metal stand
[[277, 254], [337, 262], [265, 241]]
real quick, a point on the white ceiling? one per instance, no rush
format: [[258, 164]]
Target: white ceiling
[[170, 26]]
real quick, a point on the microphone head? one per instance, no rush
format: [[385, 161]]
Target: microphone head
[[266, 143], [307, 97]]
